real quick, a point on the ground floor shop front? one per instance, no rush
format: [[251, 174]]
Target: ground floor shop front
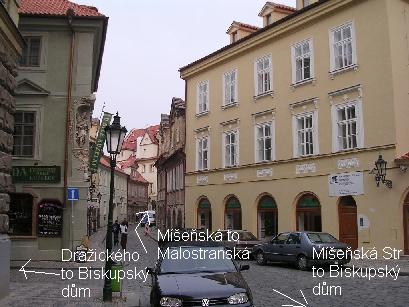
[[375, 217]]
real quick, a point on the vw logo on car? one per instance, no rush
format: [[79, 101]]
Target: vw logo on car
[[205, 302]]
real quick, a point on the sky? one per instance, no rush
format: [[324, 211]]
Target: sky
[[148, 41]]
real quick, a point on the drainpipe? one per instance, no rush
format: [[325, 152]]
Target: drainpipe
[[70, 17]]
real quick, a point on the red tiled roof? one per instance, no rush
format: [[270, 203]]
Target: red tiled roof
[[105, 162], [56, 8], [244, 25], [282, 6], [138, 177], [404, 157], [127, 163], [130, 140]]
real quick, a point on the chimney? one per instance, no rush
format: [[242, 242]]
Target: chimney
[[271, 12], [239, 30]]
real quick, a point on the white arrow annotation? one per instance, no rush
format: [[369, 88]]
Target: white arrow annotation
[[292, 305], [35, 272], [136, 230]]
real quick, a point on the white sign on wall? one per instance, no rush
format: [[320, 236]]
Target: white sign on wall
[[346, 184]]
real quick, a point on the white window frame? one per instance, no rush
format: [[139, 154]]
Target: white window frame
[[199, 153], [332, 31], [227, 84], [237, 148], [359, 125], [38, 110], [309, 41], [263, 71], [199, 103], [43, 51], [315, 135], [272, 137]]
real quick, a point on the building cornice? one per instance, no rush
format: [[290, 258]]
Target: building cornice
[[278, 28]]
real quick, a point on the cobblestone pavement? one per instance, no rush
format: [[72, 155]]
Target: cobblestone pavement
[[265, 281]]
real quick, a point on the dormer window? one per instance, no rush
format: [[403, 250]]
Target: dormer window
[[306, 3], [234, 37], [269, 19]]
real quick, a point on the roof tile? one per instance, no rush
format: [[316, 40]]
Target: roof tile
[[56, 8]]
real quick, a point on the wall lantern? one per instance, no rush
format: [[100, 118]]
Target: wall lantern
[[380, 172]]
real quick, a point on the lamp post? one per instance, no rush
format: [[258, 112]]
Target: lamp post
[[115, 135], [380, 175]]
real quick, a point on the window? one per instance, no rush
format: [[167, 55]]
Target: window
[[143, 168], [230, 87], [302, 62], [203, 97], [264, 142], [342, 47], [31, 55], [263, 75], [349, 133], [202, 153], [234, 37], [231, 148], [269, 19], [24, 133], [305, 134], [306, 3]]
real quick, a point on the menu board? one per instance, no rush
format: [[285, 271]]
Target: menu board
[[50, 219]]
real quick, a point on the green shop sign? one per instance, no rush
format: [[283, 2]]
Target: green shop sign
[[36, 174]]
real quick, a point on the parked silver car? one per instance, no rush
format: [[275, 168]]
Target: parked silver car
[[304, 249]]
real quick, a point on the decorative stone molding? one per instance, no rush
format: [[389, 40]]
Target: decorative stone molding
[[345, 92], [305, 168], [202, 179], [348, 163], [264, 172], [230, 176], [303, 104]]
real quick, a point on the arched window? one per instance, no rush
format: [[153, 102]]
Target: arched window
[[232, 216], [204, 214], [267, 217], [309, 213]]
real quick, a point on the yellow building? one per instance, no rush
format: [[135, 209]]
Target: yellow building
[[284, 124]]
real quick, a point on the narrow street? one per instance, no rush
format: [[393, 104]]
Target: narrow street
[[45, 290]]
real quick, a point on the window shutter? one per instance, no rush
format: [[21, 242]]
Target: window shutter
[[295, 137], [315, 132]]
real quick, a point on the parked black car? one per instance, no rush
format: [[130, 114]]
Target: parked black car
[[198, 281], [303, 248]]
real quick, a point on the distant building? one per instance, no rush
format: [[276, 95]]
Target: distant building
[[11, 43], [141, 146], [58, 76], [137, 194], [171, 167]]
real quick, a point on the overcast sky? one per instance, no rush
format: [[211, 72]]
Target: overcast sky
[[148, 41]]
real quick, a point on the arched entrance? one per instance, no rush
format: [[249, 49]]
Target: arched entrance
[[406, 224], [267, 217], [308, 213], [204, 214], [348, 226], [232, 214]]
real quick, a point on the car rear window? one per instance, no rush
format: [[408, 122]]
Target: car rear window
[[246, 236], [321, 238]]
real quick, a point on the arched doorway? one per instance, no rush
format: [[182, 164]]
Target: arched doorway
[[232, 214], [204, 214], [308, 213], [267, 217], [348, 226], [406, 224]]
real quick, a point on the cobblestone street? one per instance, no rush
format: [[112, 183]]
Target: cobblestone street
[[45, 290]]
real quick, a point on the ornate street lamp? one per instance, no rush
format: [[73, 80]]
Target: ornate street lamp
[[380, 172], [115, 135]]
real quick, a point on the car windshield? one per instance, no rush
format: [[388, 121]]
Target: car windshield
[[246, 236], [321, 238], [195, 259]]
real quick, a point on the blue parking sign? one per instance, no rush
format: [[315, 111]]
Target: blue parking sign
[[73, 194]]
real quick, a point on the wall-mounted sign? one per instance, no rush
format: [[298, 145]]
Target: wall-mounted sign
[[36, 174], [346, 184], [95, 156], [50, 218]]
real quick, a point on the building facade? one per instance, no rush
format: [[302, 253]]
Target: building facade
[[11, 43], [171, 167], [58, 75], [138, 189], [141, 146], [120, 198], [284, 125]]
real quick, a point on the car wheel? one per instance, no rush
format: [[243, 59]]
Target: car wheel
[[260, 258], [302, 263]]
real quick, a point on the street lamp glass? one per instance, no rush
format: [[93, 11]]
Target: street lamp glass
[[115, 135]]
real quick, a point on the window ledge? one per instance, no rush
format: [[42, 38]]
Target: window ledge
[[32, 68], [202, 113], [269, 93], [342, 70], [16, 238], [303, 82], [25, 158], [230, 105]]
